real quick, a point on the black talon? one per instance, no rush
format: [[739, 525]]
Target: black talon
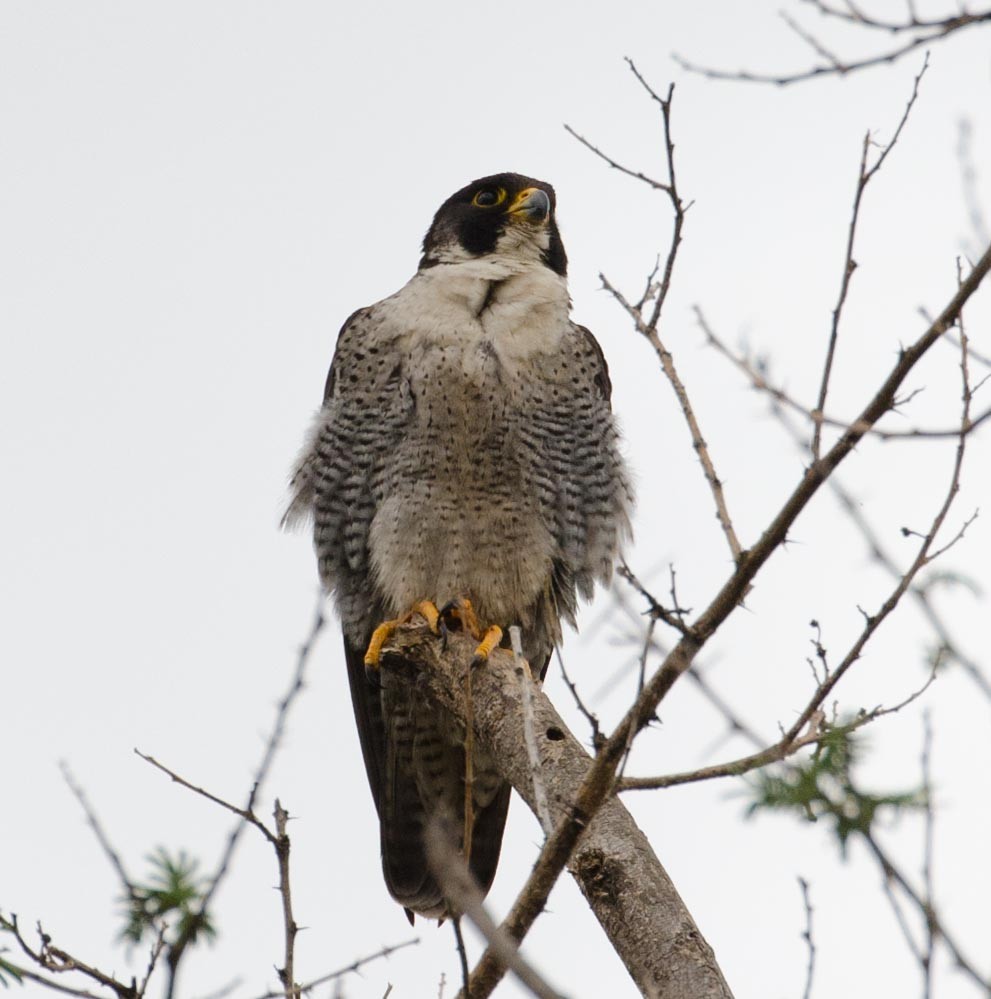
[[449, 609]]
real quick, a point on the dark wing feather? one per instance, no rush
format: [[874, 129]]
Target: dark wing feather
[[367, 704], [579, 480], [600, 375]]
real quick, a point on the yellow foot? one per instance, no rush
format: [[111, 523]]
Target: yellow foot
[[380, 636], [490, 640], [384, 631], [428, 611]]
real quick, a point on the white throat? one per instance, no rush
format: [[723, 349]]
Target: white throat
[[519, 307]]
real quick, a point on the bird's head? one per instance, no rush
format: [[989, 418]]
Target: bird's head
[[505, 215]]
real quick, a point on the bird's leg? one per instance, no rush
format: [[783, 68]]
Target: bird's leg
[[490, 640], [427, 610]]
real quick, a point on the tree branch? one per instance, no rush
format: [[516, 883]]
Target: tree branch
[[626, 887], [920, 32]]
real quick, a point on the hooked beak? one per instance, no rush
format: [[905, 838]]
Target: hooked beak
[[531, 205]]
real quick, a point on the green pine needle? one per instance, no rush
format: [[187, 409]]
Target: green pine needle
[[173, 889]]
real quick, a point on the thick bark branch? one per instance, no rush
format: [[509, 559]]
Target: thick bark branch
[[626, 887]]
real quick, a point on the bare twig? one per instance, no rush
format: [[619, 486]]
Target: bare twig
[[54, 959], [590, 717], [101, 837], [920, 590], [980, 230], [678, 206], [282, 846], [346, 970], [696, 675], [698, 441], [893, 874], [807, 937], [756, 373], [817, 730], [927, 856], [901, 919], [156, 952], [462, 950], [864, 176], [657, 292], [921, 33], [243, 813], [635, 174], [675, 617], [48, 983]]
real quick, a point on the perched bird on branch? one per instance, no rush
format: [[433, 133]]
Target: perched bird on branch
[[464, 466]]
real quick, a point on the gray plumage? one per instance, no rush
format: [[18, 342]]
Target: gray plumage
[[465, 448]]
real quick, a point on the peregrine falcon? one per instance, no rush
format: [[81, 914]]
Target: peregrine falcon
[[465, 465]]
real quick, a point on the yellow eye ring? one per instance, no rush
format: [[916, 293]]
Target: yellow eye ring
[[489, 198]]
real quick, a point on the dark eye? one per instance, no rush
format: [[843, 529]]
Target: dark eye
[[487, 197]]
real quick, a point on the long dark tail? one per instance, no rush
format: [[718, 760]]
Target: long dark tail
[[387, 743]]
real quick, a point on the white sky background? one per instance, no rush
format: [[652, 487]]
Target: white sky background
[[193, 197]]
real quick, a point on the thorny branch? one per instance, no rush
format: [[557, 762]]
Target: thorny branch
[[348, 969], [282, 847], [54, 959]]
